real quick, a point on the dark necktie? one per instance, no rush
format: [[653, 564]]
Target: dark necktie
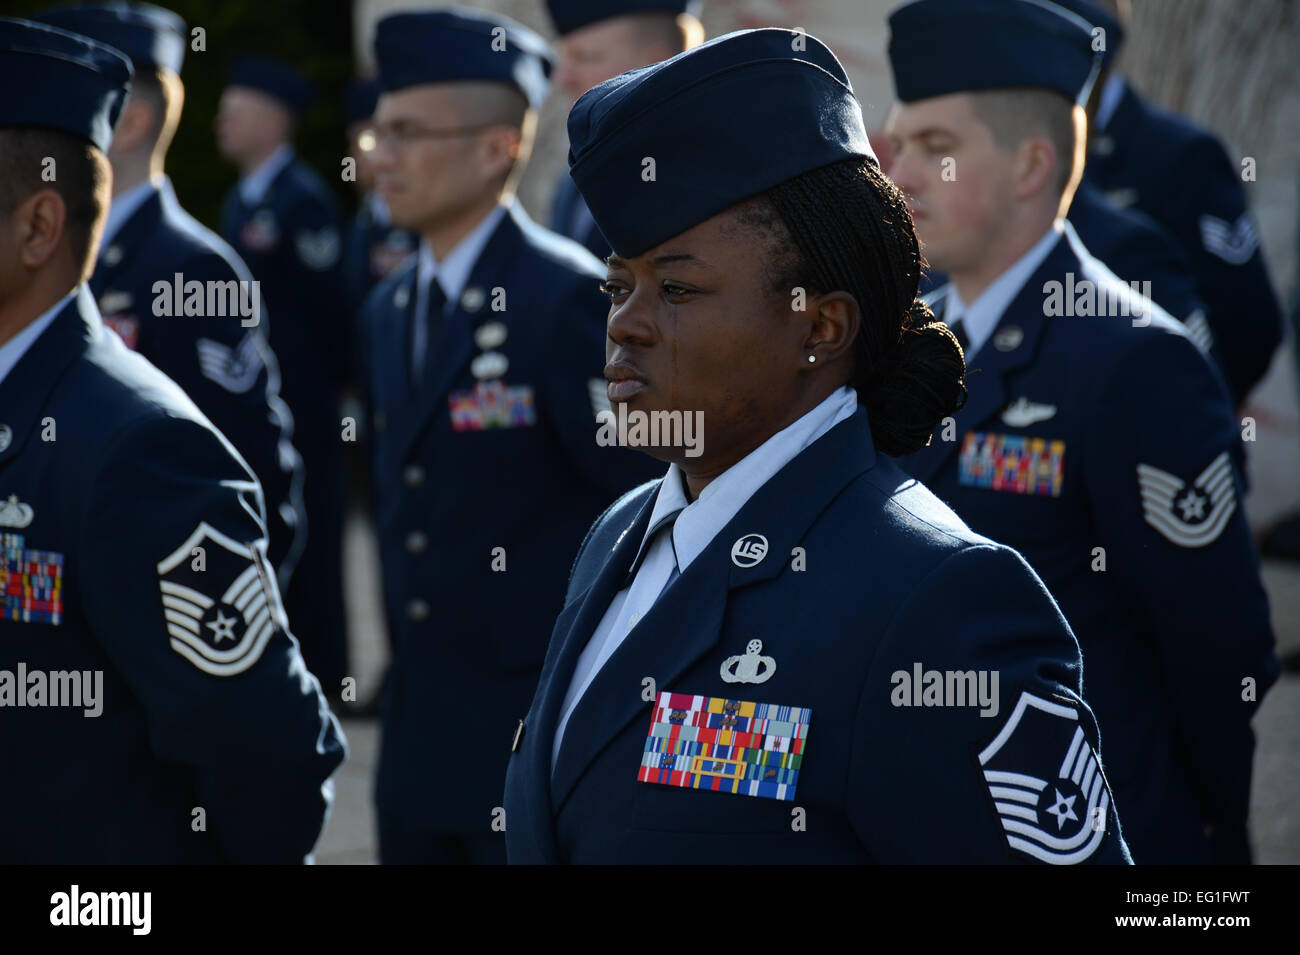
[[435, 301]]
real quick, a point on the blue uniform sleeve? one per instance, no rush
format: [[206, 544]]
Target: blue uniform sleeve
[[575, 392], [1018, 778], [1172, 521], [1241, 305], [178, 590]]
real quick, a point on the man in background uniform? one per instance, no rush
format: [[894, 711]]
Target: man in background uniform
[[219, 358], [487, 357], [155, 707], [375, 247], [600, 39], [282, 221], [1098, 439], [1179, 174]]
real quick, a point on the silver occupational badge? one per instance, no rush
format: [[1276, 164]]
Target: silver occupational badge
[[110, 303], [490, 335], [6, 437], [490, 364], [14, 513], [750, 667]]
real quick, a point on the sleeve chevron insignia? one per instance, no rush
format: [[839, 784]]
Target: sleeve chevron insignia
[[1192, 516]]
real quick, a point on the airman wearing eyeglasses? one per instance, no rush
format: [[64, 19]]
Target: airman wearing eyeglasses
[[486, 358]]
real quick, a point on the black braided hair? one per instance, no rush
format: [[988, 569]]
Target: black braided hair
[[846, 227]]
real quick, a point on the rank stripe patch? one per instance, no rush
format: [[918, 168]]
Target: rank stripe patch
[[1165, 495]]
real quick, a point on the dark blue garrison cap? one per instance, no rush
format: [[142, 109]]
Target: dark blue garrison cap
[[60, 80], [723, 122], [360, 100], [938, 47], [570, 15], [274, 78], [453, 44], [1099, 16], [149, 35]]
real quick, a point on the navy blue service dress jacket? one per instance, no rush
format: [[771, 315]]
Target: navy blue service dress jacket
[[1179, 174], [1107, 454], [134, 548], [224, 366], [486, 475], [672, 757]]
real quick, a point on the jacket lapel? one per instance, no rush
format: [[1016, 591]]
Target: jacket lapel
[[685, 623], [117, 256], [1012, 346], [27, 387]]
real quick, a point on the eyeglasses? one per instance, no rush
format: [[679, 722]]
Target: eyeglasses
[[402, 134]]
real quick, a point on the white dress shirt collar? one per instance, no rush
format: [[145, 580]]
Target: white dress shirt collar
[[702, 519], [981, 316], [125, 206], [252, 188], [12, 351], [1108, 102]]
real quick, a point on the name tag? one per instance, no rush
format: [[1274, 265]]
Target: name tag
[[1010, 462], [31, 582], [730, 746], [492, 404]]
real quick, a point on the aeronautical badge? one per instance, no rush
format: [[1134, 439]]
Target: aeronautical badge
[[318, 249], [1189, 516], [218, 604], [1046, 783], [1234, 242], [729, 746], [235, 369], [1016, 463], [14, 513], [31, 581], [261, 233]]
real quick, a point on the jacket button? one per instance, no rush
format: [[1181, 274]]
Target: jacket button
[[417, 610], [416, 542], [413, 475]]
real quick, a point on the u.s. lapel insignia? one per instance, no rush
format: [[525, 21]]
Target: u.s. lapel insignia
[[401, 296], [14, 513], [471, 300], [1008, 338], [221, 629], [1022, 413], [31, 582], [488, 365], [751, 667], [1055, 813], [749, 550], [1189, 516], [112, 255], [489, 335], [6, 437], [1017, 463], [730, 746], [1123, 198]]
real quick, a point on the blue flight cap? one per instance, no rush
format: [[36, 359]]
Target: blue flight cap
[[68, 82], [274, 78], [937, 47], [1099, 16], [723, 122], [360, 100], [570, 15], [149, 35], [453, 44]]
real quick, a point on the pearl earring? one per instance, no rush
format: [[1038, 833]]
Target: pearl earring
[[811, 359]]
